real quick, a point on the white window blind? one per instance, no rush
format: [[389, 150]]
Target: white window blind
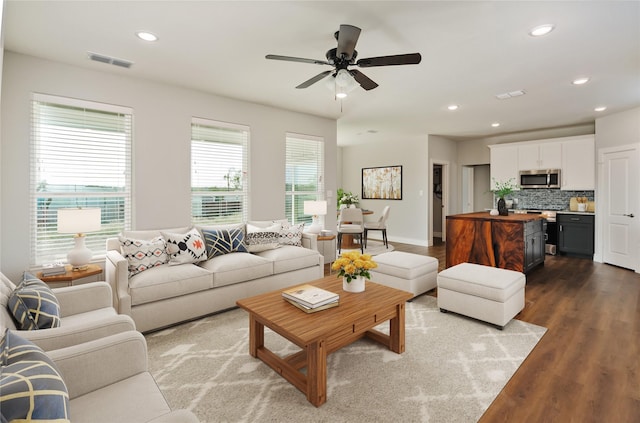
[[304, 174], [80, 157], [219, 162]]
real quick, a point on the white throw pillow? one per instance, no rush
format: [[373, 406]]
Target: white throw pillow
[[143, 254], [291, 234], [185, 248], [263, 239]]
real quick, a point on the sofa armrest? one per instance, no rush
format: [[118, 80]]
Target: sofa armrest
[[117, 276], [82, 298], [65, 336], [310, 241], [100, 363]]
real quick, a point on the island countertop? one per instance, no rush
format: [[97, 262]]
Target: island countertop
[[512, 217]]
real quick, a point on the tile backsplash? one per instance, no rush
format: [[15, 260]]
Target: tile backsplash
[[549, 199]]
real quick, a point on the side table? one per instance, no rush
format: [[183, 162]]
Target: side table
[[327, 247], [71, 275]]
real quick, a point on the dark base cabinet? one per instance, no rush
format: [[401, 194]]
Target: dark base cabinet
[[534, 241], [575, 235]]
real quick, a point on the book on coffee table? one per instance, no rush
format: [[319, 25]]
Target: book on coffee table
[[313, 310], [53, 269], [310, 296]]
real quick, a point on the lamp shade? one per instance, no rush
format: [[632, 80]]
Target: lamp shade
[[78, 220], [315, 208]]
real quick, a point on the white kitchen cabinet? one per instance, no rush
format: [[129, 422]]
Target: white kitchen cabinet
[[535, 156], [578, 164], [504, 163]]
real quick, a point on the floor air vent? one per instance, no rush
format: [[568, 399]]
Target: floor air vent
[[109, 60]]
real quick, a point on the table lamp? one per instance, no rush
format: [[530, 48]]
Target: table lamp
[[78, 221], [315, 208]]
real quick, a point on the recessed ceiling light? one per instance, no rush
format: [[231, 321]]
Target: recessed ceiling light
[[541, 30], [600, 109], [580, 81], [147, 36], [495, 124], [452, 107]]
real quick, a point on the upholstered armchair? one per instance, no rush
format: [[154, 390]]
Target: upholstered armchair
[[100, 381], [85, 314]]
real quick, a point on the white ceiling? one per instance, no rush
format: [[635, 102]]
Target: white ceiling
[[471, 51]]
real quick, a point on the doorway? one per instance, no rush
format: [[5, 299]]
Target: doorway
[[618, 204], [439, 200]]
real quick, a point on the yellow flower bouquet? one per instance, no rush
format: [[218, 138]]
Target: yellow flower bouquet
[[353, 264]]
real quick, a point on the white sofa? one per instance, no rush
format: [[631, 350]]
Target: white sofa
[[169, 294]]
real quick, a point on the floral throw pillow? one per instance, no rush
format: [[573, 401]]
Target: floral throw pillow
[[185, 248]]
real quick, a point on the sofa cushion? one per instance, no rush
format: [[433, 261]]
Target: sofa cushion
[[263, 238], [224, 241], [153, 233], [143, 254], [185, 247], [33, 305], [31, 385], [237, 267], [288, 258], [168, 281]]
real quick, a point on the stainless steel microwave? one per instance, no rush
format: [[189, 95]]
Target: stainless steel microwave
[[545, 178]]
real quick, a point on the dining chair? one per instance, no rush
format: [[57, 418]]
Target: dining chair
[[379, 225], [350, 222]]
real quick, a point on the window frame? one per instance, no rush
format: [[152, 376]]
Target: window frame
[[116, 203], [304, 195], [240, 176]]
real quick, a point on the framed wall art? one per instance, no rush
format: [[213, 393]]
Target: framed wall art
[[382, 183]]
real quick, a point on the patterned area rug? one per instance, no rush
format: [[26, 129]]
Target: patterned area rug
[[451, 371]]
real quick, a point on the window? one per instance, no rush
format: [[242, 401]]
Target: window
[[80, 157], [304, 174], [219, 188]]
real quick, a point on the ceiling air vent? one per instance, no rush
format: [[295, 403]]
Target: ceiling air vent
[[110, 60], [510, 94]]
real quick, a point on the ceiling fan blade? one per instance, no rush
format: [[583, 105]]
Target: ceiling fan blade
[[399, 59], [315, 79], [363, 79], [296, 59], [347, 39]]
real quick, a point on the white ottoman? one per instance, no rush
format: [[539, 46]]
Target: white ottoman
[[409, 272], [485, 293]]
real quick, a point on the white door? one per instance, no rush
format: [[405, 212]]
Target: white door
[[620, 206]]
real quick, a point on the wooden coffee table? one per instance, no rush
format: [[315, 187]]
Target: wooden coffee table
[[321, 333]]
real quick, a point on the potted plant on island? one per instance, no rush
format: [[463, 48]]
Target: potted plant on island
[[354, 268], [501, 190]]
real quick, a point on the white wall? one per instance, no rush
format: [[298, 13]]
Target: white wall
[[618, 129], [161, 145], [407, 217]]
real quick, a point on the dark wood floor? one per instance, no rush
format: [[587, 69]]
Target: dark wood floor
[[586, 368]]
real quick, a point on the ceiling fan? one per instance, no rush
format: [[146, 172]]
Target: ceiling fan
[[344, 56]]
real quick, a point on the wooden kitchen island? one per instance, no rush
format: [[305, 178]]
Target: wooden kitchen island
[[515, 242]]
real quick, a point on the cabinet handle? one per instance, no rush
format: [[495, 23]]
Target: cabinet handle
[[560, 228], [629, 215], [575, 218]]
